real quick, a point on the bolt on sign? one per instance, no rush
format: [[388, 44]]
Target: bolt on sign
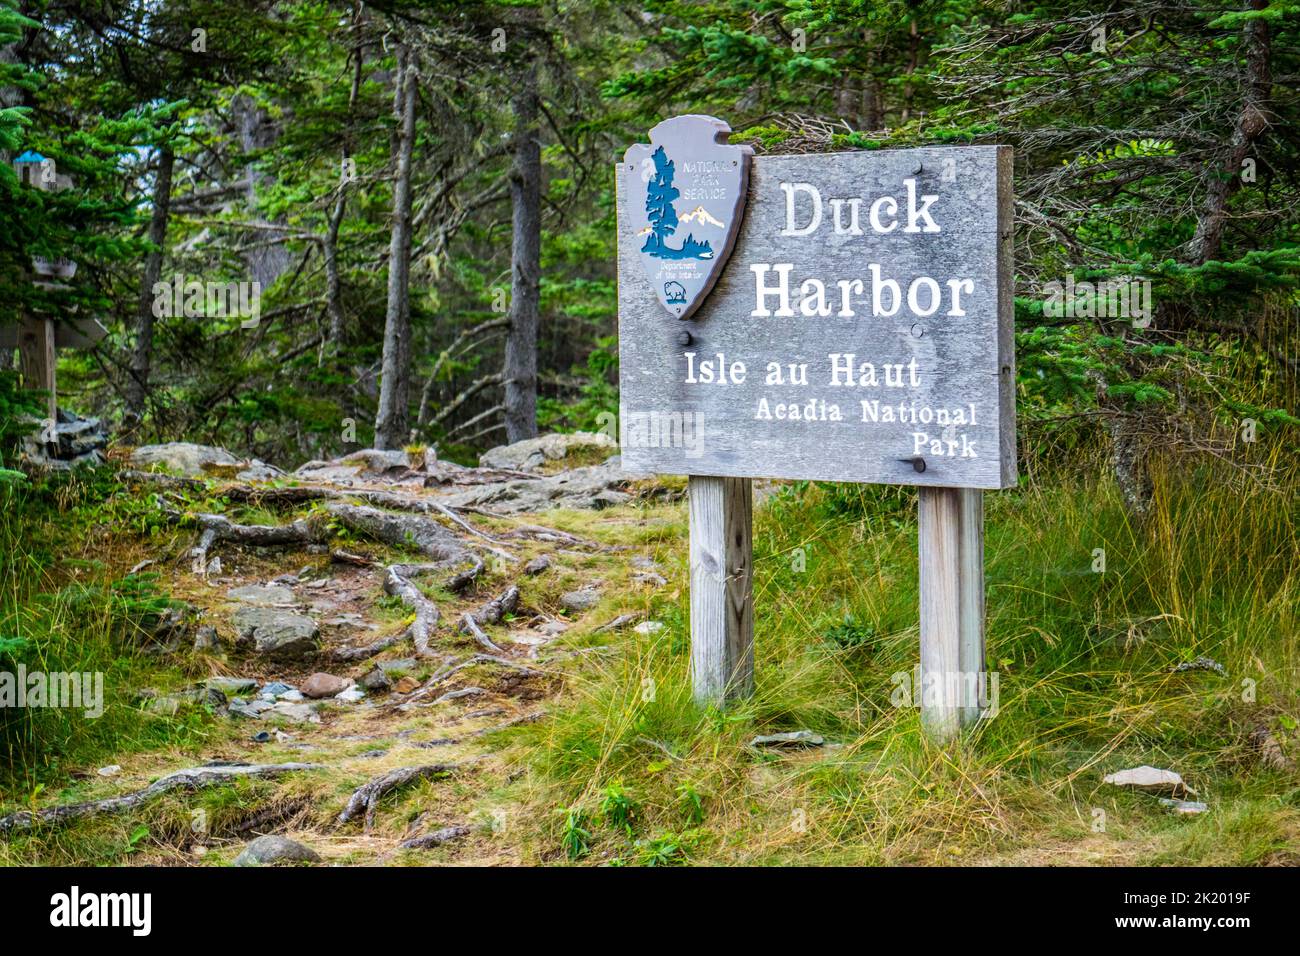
[[839, 317]]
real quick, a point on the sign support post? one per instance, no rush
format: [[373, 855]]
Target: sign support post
[[722, 596], [951, 551]]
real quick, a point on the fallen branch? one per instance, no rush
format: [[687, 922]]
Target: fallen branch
[[193, 778], [367, 797]]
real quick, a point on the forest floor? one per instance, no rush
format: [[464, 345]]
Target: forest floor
[[561, 728]]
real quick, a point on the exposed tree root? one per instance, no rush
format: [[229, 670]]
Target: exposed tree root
[[367, 797], [193, 778], [397, 583], [446, 673], [436, 838], [490, 613], [350, 655]]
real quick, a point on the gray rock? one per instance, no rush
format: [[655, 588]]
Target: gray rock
[[190, 460], [252, 709], [206, 639], [583, 599], [375, 681], [595, 487], [297, 713], [369, 462], [275, 689], [1184, 808], [553, 628], [538, 564], [276, 849], [649, 627], [258, 470], [276, 634], [403, 664], [531, 452], [350, 694], [1150, 779], [261, 594], [321, 685], [795, 738], [233, 686]]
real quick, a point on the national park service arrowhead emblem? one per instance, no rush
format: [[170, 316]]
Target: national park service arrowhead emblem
[[685, 195]]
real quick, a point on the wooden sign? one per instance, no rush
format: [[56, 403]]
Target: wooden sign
[[861, 330], [850, 320]]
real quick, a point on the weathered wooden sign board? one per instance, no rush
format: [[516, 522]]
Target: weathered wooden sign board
[[849, 319]]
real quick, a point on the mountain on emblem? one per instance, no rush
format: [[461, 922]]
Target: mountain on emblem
[[688, 164]]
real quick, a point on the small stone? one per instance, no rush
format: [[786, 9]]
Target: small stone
[[298, 713], [406, 685], [111, 770], [553, 628], [795, 738], [581, 600], [233, 686], [320, 685], [274, 690], [206, 639], [1150, 779], [261, 737], [375, 680], [351, 695], [650, 578], [401, 664], [537, 565], [1201, 663], [1184, 808], [649, 627], [252, 709], [275, 849]]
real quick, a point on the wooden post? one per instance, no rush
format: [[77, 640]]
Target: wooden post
[[722, 598], [951, 548], [36, 351]]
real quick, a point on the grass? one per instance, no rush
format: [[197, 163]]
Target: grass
[[627, 770], [1084, 662], [63, 610]]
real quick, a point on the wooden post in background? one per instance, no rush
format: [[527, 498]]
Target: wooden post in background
[[37, 360], [722, 597], [951, 552]]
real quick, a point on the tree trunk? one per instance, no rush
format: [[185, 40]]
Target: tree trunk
[[137, 387], [390, 421], [1252, 119], [333, 282], [520, 370]]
